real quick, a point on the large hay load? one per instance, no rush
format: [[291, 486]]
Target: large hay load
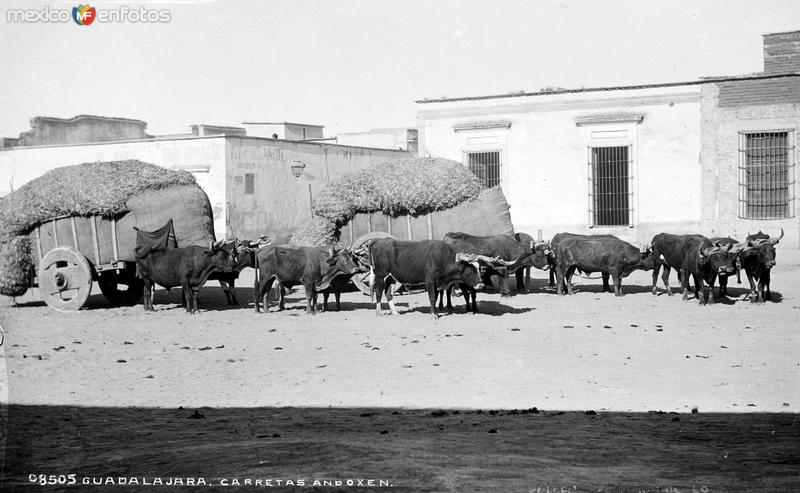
[[410, 199], [75, 224]]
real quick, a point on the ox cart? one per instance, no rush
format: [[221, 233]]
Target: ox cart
[[486, 215], [70, 253]]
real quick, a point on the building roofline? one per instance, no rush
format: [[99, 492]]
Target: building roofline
[[782, 32], [81, 117], [215, 126], [283, 123], [191, 137], [706, 80]]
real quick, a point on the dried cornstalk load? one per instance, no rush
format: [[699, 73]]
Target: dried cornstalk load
[[100, 188], [412, 186]]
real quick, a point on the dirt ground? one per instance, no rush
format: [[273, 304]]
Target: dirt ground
[[109, 374]]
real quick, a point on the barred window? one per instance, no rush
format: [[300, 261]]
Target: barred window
[[766, 175], [249, 183], [609, 188], [486, 166]]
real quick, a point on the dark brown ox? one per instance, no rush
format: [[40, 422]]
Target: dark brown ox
[[551, 257], [188, 267], [609, 256], [516, 255], [758, 259], [696, 256], [433, 262], [313, 267]]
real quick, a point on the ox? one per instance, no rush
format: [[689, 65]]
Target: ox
[[433, 262], [694, 255], [503, 247], [757, 260], [539, 258], [608, 255], [188, 267], [313, 267], [551, 257], [338, 285], [245, 251], [737, 264]]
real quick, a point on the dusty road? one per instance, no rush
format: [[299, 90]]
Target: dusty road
[[588, 351], [106, 392]]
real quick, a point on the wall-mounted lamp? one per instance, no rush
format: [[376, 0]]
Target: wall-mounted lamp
[[297, 168]]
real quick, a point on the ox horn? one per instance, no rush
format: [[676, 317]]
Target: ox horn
[[738, 247], [775, 241], [504, 262], [465, 257]]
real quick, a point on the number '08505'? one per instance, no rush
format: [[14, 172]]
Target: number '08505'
[[43, 479]]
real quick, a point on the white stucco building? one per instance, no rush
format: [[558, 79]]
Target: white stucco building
[[714, 156]]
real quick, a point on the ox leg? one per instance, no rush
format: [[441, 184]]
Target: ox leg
[[560, 280], [568, 279], [390, 297], [606, 287], [377, 289], [193, 294], [227, 290], [147, 296], [767, 292], [266, 288], [710, 297], [684, 279], [325, 296], [449, 293], [256, 294], [311, 298], [520, 275], [723, 286], [338, 297], [617, 278], [760, 292], [753, 294], [700, 288], [665, 278], [431, 285], [656, 269], [232, 287], [468, 293], [186, 295]]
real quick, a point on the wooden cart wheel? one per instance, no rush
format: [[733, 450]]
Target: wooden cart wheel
[[361, 279], [65, 279], [121, 288]]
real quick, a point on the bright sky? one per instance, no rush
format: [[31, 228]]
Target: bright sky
[[359, 64]]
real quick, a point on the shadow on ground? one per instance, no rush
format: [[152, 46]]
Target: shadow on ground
[[413, 450]]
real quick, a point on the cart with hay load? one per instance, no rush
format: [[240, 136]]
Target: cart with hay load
[[67, 252], [412, 199]]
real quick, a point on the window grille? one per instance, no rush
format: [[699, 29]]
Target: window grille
[[486, 166], [766, 175], [249, 183], [610, 190]]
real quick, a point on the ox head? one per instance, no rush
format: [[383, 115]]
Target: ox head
[[335, 262], [539, 253], [719, 257], [469, 270], [646, 260], [222, 256], [764, 245]]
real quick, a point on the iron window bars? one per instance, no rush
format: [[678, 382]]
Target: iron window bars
[[766, 175], [486, 166], [610, 187]]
